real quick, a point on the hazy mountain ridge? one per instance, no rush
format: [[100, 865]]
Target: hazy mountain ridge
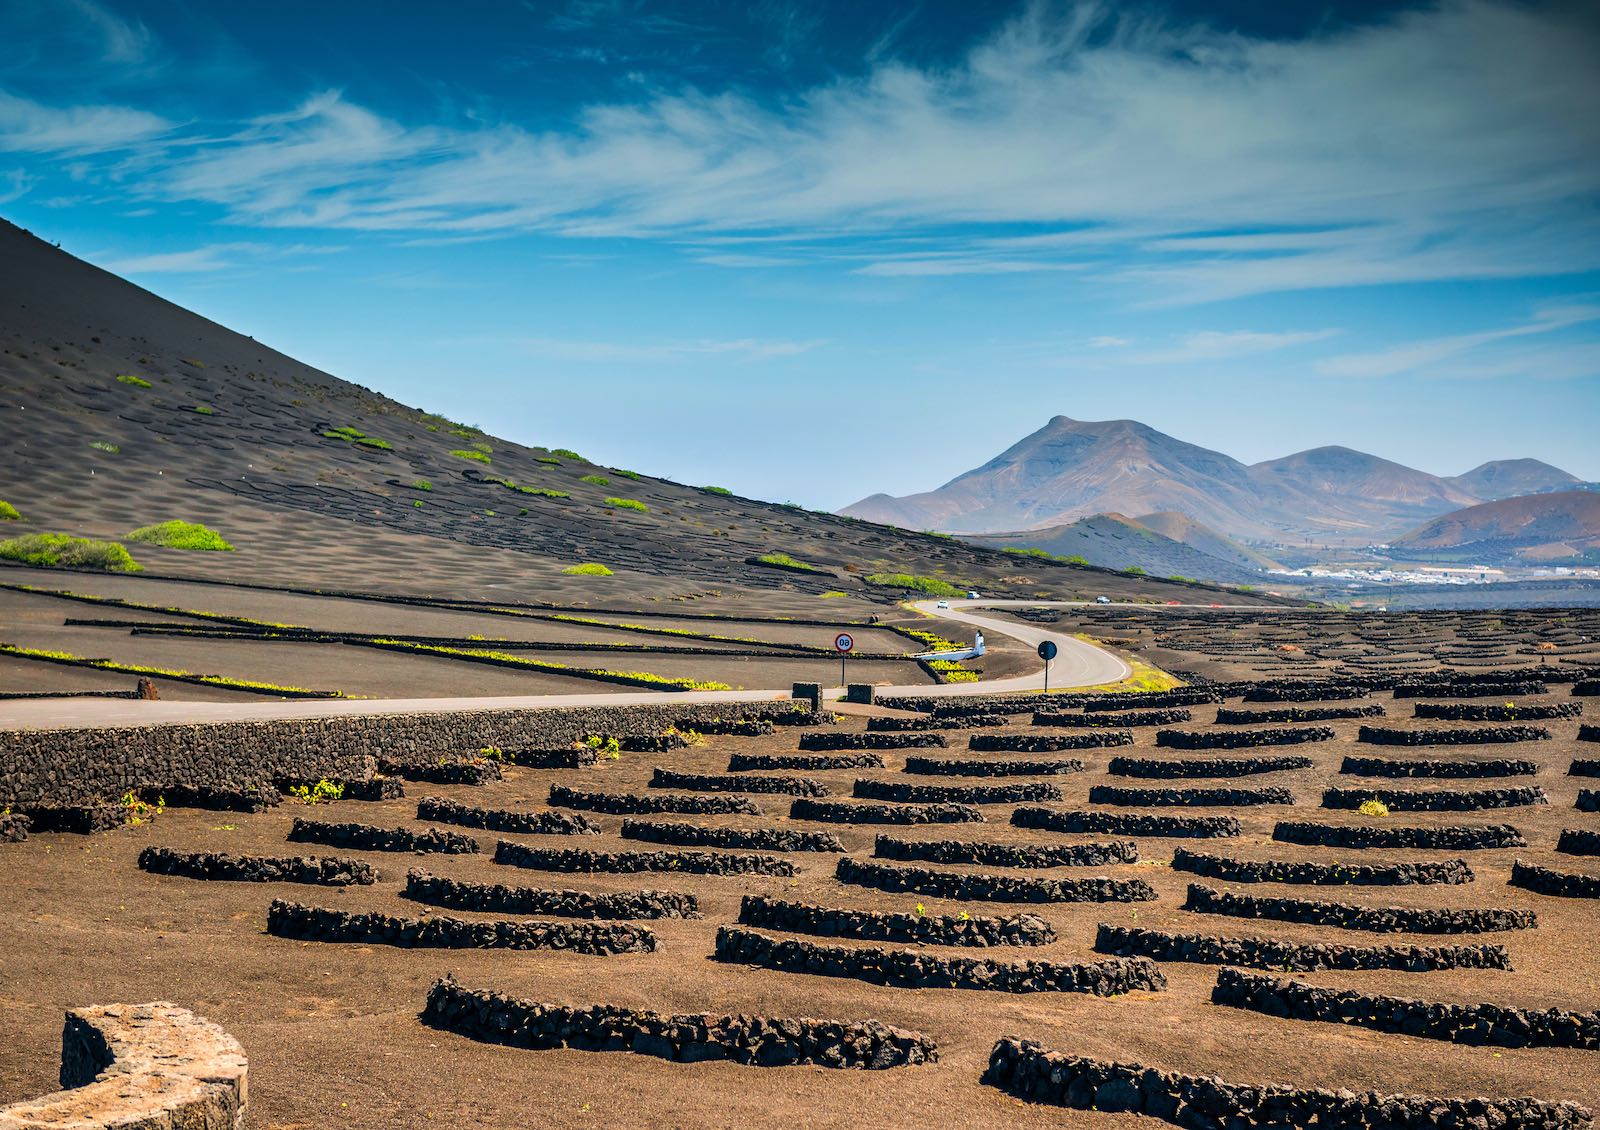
[[1072, 469], [1552, 528]]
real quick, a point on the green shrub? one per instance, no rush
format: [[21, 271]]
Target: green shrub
[[469, 453], [63, 549], [421, 484], [136, 382], [785, 559], [933, 586], [180, 535], [1075, 559], [1373, 807], [353, 435], [8, 512], [543, 492], [832, 594], [1134, 571], [716, 490], [587, 569], [323, 792], [204, 410], [108, 448], [627, 504], [597, 480], [567, 453], [417, 502], [1018, 551], [634, 475]]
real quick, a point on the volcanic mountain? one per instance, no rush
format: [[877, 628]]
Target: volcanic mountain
[[1507, 478], [122, 410], [1071, 469], [1163, 545], [1561, 527]]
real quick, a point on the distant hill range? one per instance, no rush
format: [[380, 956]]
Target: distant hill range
[[1073, 469], [1535, 529], [1163, 545]]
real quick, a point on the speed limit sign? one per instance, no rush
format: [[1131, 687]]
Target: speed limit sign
[[843, 642]]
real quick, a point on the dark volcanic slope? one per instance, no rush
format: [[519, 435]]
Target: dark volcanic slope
[[1116, 541], [1559, 527], [1071, 469], [234, 434]]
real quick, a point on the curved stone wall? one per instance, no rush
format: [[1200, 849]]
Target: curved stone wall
[[546, 823], [1217, 798], [744, 762], [366, 837], [852, 812], [973, 767], [736, 783], [758, 1041], [1006, 855], [872, 925], [1549, 882], [905, 793], [1104, 718], [632, 862], [1047, 743], [1241, 739], [1295, 957], [499, 898], [1376, 919], [327, 871], [1577, 841], [630, 804], [1425, 767], [831, 741], [1461, 837], [1474, 735], [683, 834], [1175, 768], [1448, 872], [1226, 717], [968, 886], [1125, 824], [1436, 800]]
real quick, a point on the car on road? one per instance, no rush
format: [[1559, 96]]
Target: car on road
[[972, 594], [942, 604], [1102, 600]]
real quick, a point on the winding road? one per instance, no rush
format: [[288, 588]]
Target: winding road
[[1078, 664]]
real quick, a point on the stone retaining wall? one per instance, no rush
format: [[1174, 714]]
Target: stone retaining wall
[[469, 771], [1047, 743], [1294, 957], [964, 767], [1478, 1025], [82, 765], [1494, 688], [1376, 919], [905, 793], [1436, 800], [1167, 769], [729, 783], [848, 812], [872, 925], [1588, 800], [751, 1040], [13, 827], [258, 799], [1548, 882], [1226, 717], [501, 899], [1495, 712], [683, 834], [633, 862], [1577, 841], [324, 924], [1449, 872], [141, 1065], [884, 724], [917, 969], [1584, 767], [1241, 739], [744, 762], [1125, 824], [833, 741], [1305, 692], [1424, 767], [327, 871], [1219, 798], [366, 837], [1474, 735], [631, 804], [1030, 1072], [964, 886], [546, 823], [1106, 718], [1006, 855], [1139, 700], [1459, 837]]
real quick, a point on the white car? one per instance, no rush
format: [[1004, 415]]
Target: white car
[[942, 604], [1102, 600], [972, 594]]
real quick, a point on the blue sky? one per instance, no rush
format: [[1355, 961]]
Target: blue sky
[[814, 250]]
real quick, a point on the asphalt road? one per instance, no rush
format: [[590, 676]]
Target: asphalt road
[[1078, 664]]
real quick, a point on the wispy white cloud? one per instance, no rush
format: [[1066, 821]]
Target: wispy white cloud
[[211, 257], [1433, 354], [32, 127], [1453, 141], [1107, 342], [1221, 345], [743, 349]]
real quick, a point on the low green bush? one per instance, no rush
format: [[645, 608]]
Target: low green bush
[[587, 569], [180, 535], [136, 382], [1134, 571], [832, 594], [634, 475], [204, 410], [716, 490], [8, 512], [567, 453], [785, 559], [66, 550], [543, 492], [597, 480], [627, 504], [1019, 551], [108, 448], [469, 453], [933, 586], [550, 459], [421, 484], [353, 435]]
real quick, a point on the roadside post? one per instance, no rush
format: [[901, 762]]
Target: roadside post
[[843, 643], [1047, 652]]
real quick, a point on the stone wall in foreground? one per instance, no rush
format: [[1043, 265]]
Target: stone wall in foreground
[[67, 766]]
